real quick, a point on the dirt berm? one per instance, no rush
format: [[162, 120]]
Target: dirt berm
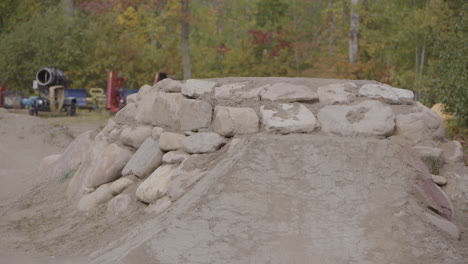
[[252, 170]]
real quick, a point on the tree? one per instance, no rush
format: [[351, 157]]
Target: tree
[[185, 40], [354, 33]]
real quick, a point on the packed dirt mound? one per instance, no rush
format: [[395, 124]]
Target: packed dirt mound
[[24, 141], [253, 170]]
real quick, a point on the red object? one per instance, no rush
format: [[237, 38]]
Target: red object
[[2, 89], [113, 83], [159, 76]]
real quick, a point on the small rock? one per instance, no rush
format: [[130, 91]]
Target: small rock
[[126, 115], [156, 132], [169, 86], [135, 136], [227, 91], [121, 184], [432, 157], [444, 225], [336, 93], [99, 196], [420, 127], [156, 185], [177, 156], [229, 121], [197, 88], [144, 91], [119, 205], [288, 118], [145, 160], [132, 98], [453, 151], [205, 142], [159, 206], [439, 180], [289, 93], [387, 93], [114, 135], [171, 141]]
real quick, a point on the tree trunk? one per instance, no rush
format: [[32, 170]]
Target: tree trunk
[[68, 8], [331, 37], [354, 33], [185, 40]]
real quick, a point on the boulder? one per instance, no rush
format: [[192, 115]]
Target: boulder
[[185, 176], [387, 93], [135, 136], [444, 225], [83, 162], [114, 135], [145, 160], [165, 110], [132, 98], [159, 206], [434, 197], [156, 132], [433, 158], [288, 93], [155, 186], [108, 166], [126, 115], [369, 118], [144, 112], [119, 205], [145, 90], [229, 121], [422, 127], [177, 156], [228, 91], [337, 93], [197, 88], [453, 151], [121, 184], [195, 114], [99, 196], [171, 141], [288, 118], [169, 86], [205, 142]]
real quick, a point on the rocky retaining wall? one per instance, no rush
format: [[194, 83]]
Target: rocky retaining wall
[[152, 140]]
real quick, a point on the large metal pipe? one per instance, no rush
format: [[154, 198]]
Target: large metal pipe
[[51, 76]]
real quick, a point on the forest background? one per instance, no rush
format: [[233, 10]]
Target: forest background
[[421, 45]]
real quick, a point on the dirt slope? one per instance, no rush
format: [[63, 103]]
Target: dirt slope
[[295, 199]]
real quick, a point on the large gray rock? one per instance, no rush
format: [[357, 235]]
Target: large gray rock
[[165, 110], [453, 151], [145, 90], [433, 158], [421, 127], [132, 98], [444, 225], [99, 196], [108, 166], [371, 118], [288, 93], [195, 114], [121, 184], [144, 113], [229, 121], [135, 136], [197, 88], [127, 114], [229, 91], [288, 118], [169, 86], [176, 156], [387, 93], [145, 160], [205, 142], [171, 141], [155, 186], [337, 93], [77, 158]]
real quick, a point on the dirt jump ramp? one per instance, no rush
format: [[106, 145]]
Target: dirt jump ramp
[[273, 170]]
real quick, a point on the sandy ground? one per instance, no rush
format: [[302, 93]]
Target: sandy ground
[[270, 199]]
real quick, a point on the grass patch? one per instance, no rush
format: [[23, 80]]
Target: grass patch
[[68, 175]]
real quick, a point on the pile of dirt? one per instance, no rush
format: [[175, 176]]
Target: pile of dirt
[[251, 170]]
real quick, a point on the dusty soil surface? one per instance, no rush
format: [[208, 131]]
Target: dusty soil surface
[[269, 199]]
